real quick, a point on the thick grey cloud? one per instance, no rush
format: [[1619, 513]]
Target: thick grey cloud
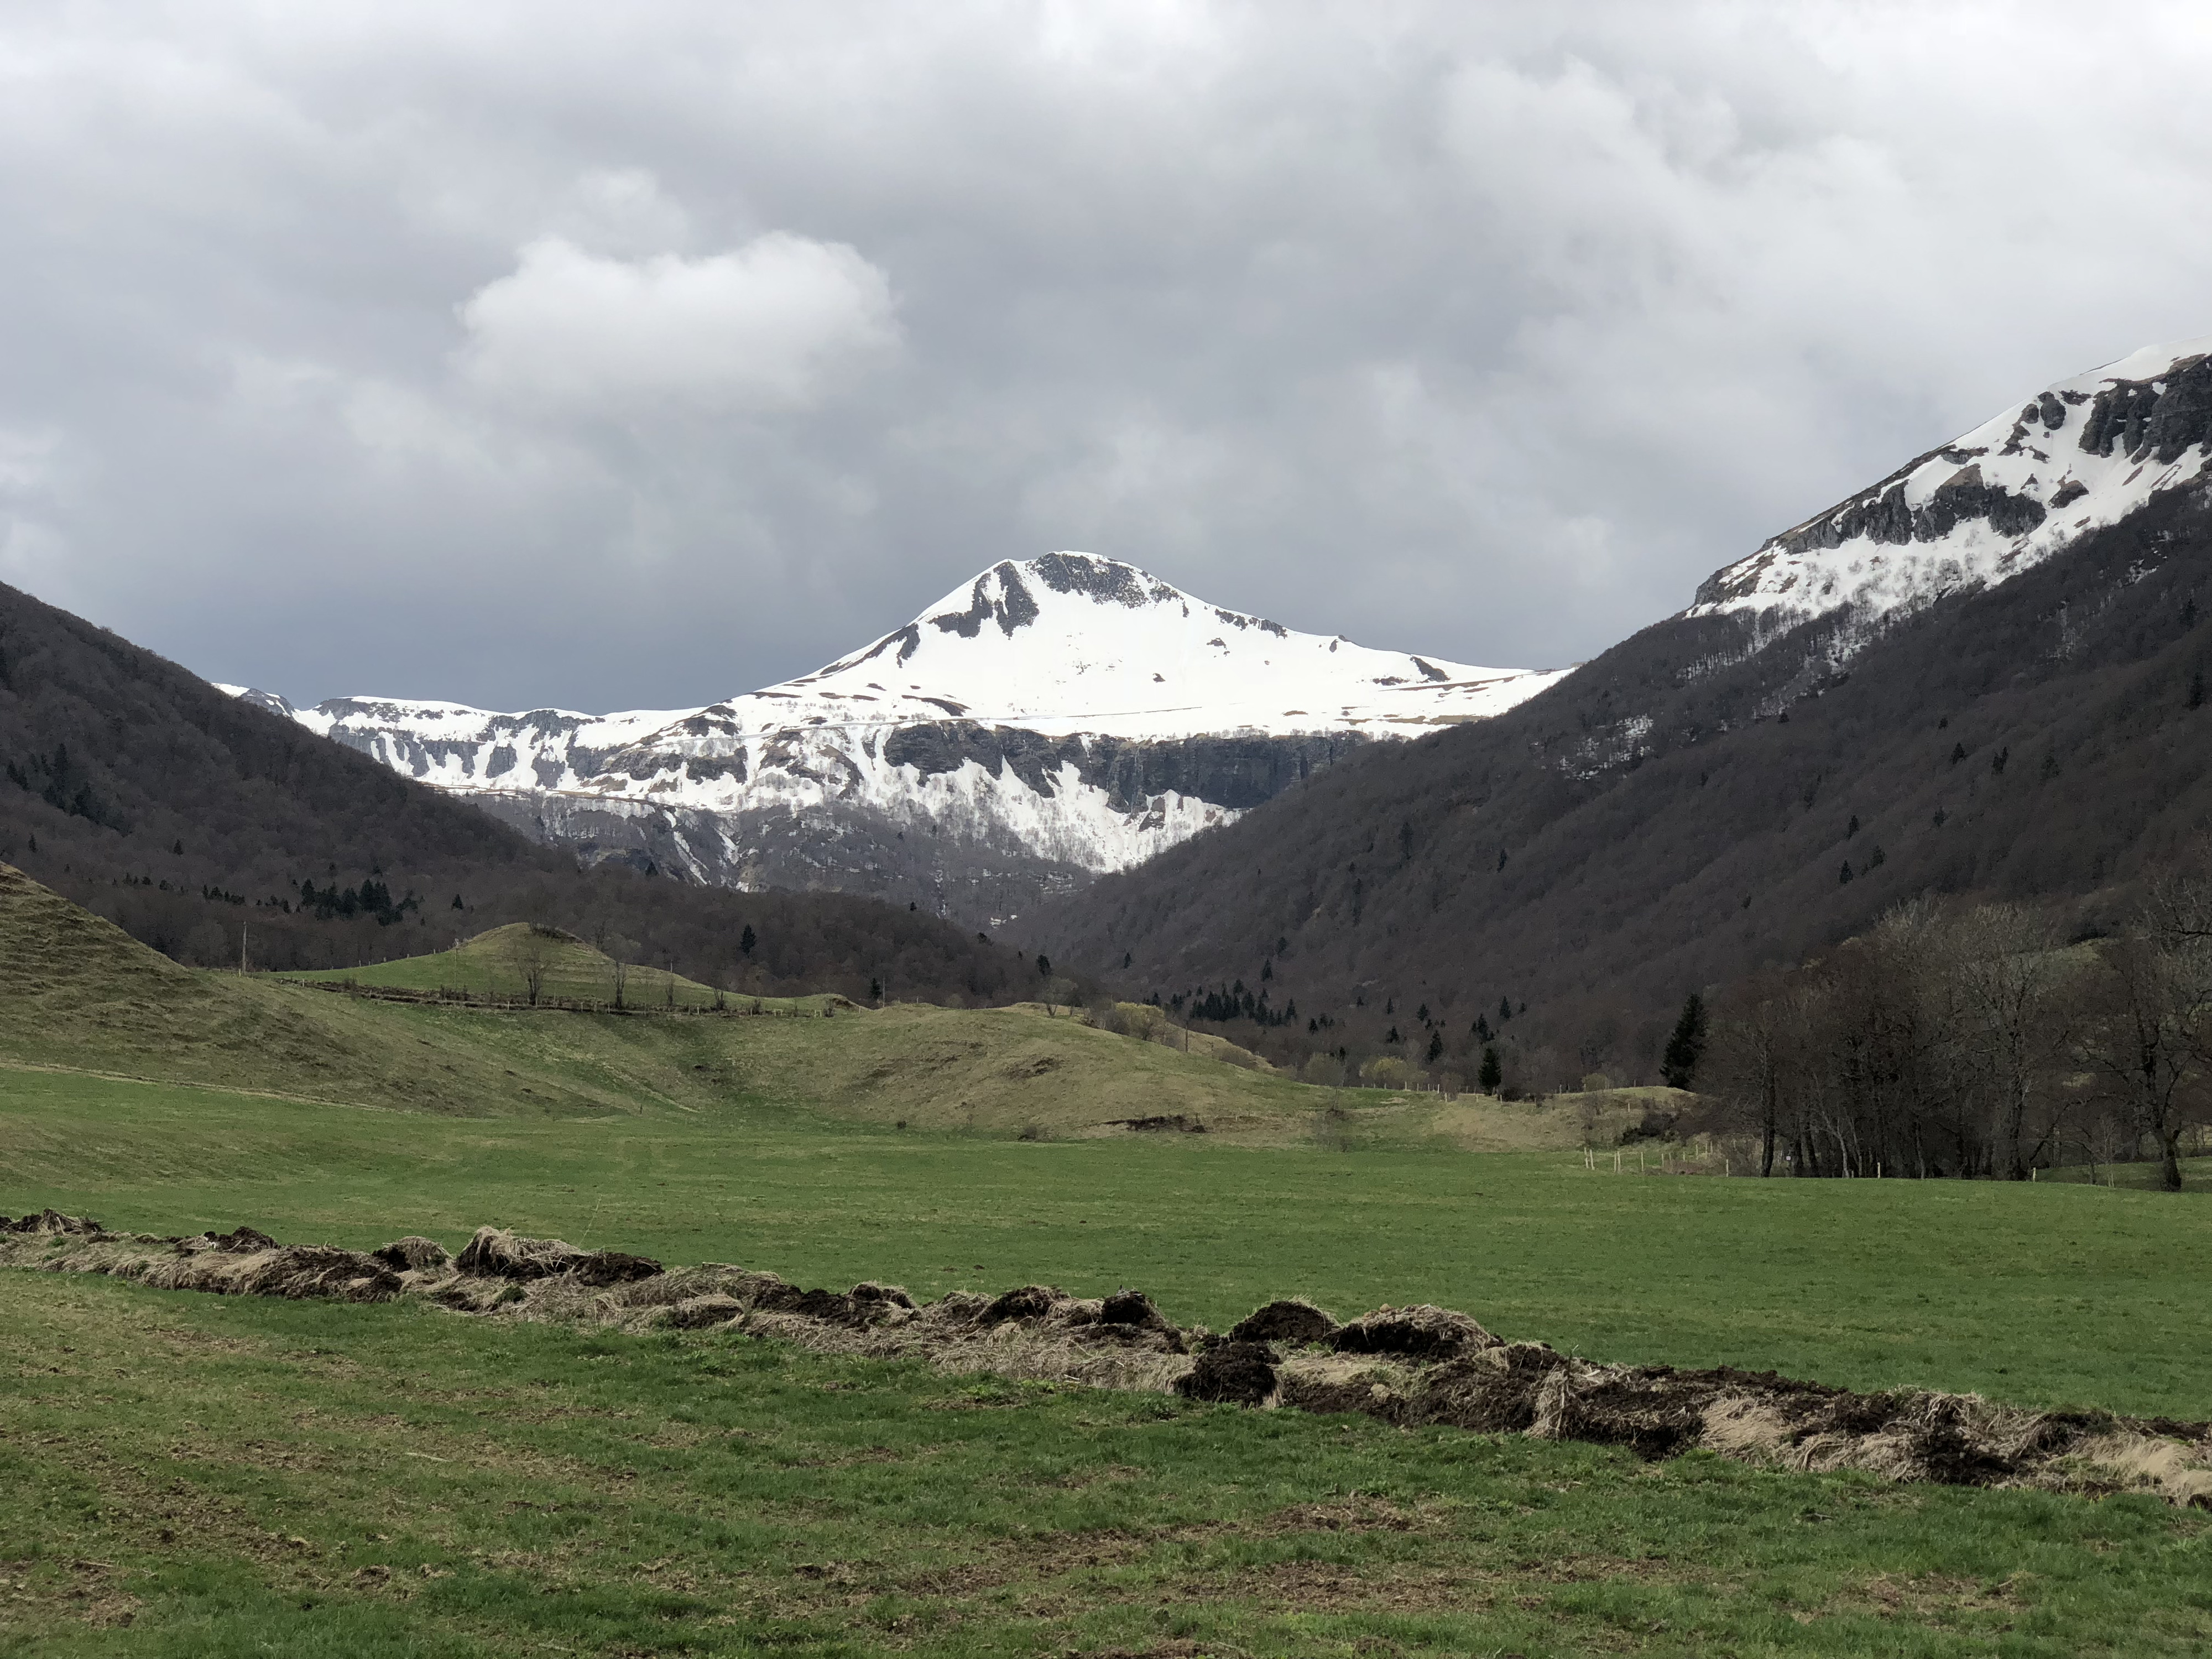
[[635, 355]]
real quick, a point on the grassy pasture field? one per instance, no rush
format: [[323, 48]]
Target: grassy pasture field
[[2042, 1295], [186, 1475], [195, 1476], [237, 1476]]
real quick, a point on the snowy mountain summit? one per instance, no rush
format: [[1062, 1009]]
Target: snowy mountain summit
[[1070, 643], [1998, 500], [1053, 719]]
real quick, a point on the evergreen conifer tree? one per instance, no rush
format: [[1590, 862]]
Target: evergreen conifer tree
[[1492, 1073], [1678, 1065]]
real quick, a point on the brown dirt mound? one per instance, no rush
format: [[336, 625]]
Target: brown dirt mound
[[1028, 1302], [1424, 1332], [1325, 1384], [229, 1266], [1134, 1308], [241, 1240], [1407, 1366], [1295, 1322], [495, 1252], [51, 1221], [832, 1307], [700, 1313], [413, 1253], [1231, 1373]]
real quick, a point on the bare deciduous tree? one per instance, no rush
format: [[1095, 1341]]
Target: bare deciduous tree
[[532, 954], [2141, 1037], [1940, 1042]]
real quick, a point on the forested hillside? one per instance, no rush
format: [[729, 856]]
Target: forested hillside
[[204, 825], [1711, 796]]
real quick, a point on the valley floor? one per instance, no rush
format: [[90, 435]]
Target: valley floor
[[193, 1476], [186, 1475], [2038, 1294]]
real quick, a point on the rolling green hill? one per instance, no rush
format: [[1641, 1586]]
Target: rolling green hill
[[519, 959], [88, 997]]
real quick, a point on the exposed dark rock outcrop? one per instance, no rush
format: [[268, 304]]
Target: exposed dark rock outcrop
[[2155, 420], [1238, 772], [1015, 607]]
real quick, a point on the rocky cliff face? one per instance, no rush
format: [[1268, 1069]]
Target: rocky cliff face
[[1049, 720]]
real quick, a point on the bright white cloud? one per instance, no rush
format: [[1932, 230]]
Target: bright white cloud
[[778, 323]]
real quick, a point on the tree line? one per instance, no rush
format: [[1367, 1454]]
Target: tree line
[[1977, 1040]]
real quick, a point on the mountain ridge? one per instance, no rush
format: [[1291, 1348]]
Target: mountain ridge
[[2084, 454], [1049, 720], [1740, 785]]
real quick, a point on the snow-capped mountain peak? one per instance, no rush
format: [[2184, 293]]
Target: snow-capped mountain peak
[[1995, 501], [1051, 718], [1073, 643]]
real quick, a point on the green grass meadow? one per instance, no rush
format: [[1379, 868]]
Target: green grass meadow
[[2040, 1294], [499, 963], [185, 1474], [188, 1475]]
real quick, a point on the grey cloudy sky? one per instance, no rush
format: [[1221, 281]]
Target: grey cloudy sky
[[635, 355]]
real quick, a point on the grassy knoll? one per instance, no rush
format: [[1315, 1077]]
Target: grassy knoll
[[188, 1475], [502, 963]]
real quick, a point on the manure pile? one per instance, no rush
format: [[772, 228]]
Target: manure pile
[[1407, 1366]]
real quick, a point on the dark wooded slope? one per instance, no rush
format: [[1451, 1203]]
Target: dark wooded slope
[[144, 794], [1679, 811]]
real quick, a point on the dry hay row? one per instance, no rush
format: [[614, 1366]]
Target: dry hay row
[[1407, 1366]]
